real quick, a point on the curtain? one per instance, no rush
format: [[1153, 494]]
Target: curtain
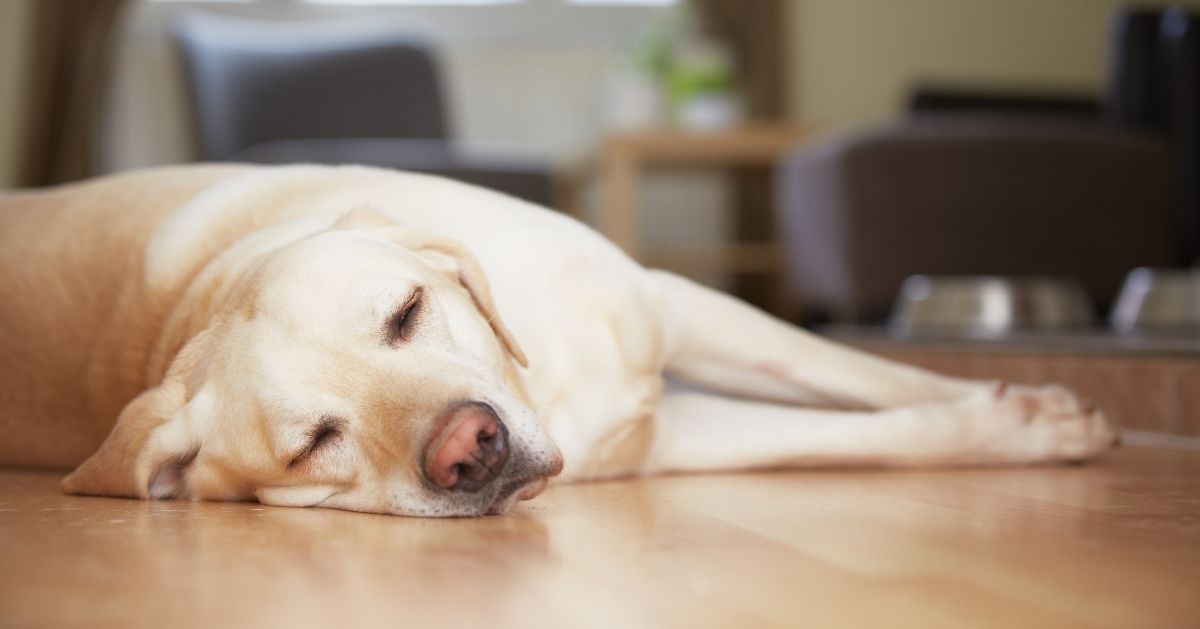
[[753, 32], [71, 51]]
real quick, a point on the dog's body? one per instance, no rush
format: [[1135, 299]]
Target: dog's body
[[205, 301]]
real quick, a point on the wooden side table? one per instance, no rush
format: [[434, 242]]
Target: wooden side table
[[624, 158]]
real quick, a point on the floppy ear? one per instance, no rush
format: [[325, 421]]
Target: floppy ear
[[142, 456], [453, 259], [448, 256], [146, 454]]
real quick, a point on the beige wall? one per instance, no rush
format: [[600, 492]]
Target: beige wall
[[13, 31], [854, 61]]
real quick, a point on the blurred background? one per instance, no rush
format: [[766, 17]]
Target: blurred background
[[972, 169]]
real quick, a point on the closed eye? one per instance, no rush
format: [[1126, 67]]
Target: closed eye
[[400, 326], [324, 433]]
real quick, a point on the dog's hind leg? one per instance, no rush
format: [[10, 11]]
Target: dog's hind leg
[[699, 432], [726, 345]]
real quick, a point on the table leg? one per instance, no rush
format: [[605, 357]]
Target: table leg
[[620, 218]]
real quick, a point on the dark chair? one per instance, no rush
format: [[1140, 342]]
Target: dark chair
[[331, 92], [1181, 94], [973, 183], [970, 196]]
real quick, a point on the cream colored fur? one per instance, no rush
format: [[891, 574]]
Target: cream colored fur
[[177, 332]]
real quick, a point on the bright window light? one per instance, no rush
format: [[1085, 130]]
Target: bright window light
[[628, 3], [413, 2]]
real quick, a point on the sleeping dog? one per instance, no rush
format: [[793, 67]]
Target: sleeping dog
[[399, 343]]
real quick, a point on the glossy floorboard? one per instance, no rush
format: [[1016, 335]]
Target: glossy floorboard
[[1112, 544]]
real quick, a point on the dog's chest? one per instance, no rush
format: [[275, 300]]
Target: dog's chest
[[597, 388], [607, 438], [595, 377]]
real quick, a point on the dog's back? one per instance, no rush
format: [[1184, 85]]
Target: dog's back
[[66, 255], [92, 272]]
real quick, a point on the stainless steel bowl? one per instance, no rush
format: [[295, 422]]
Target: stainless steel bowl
[[990, 305], [1159, 300]]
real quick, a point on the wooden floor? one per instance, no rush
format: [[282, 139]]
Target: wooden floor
[[1114, 544]]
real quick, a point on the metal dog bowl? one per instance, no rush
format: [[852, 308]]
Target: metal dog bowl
[[1159, 300], [990, 305]]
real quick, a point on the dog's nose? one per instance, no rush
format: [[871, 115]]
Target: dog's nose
[[469, 451]]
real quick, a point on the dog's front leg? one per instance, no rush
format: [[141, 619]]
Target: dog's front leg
[[726, 345], [697, 432]]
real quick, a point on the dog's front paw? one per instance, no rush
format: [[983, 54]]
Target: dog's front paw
[[1028, 424]]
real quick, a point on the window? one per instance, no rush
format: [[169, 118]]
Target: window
[[447, 3]]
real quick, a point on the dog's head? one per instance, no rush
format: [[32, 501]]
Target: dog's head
[[364, 367]]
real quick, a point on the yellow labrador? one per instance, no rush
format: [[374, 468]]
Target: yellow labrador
[[399, 343]]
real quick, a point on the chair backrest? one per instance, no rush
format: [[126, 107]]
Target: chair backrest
[[1181, 60], [1136, 82], [253, 81], [1155, 84]]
